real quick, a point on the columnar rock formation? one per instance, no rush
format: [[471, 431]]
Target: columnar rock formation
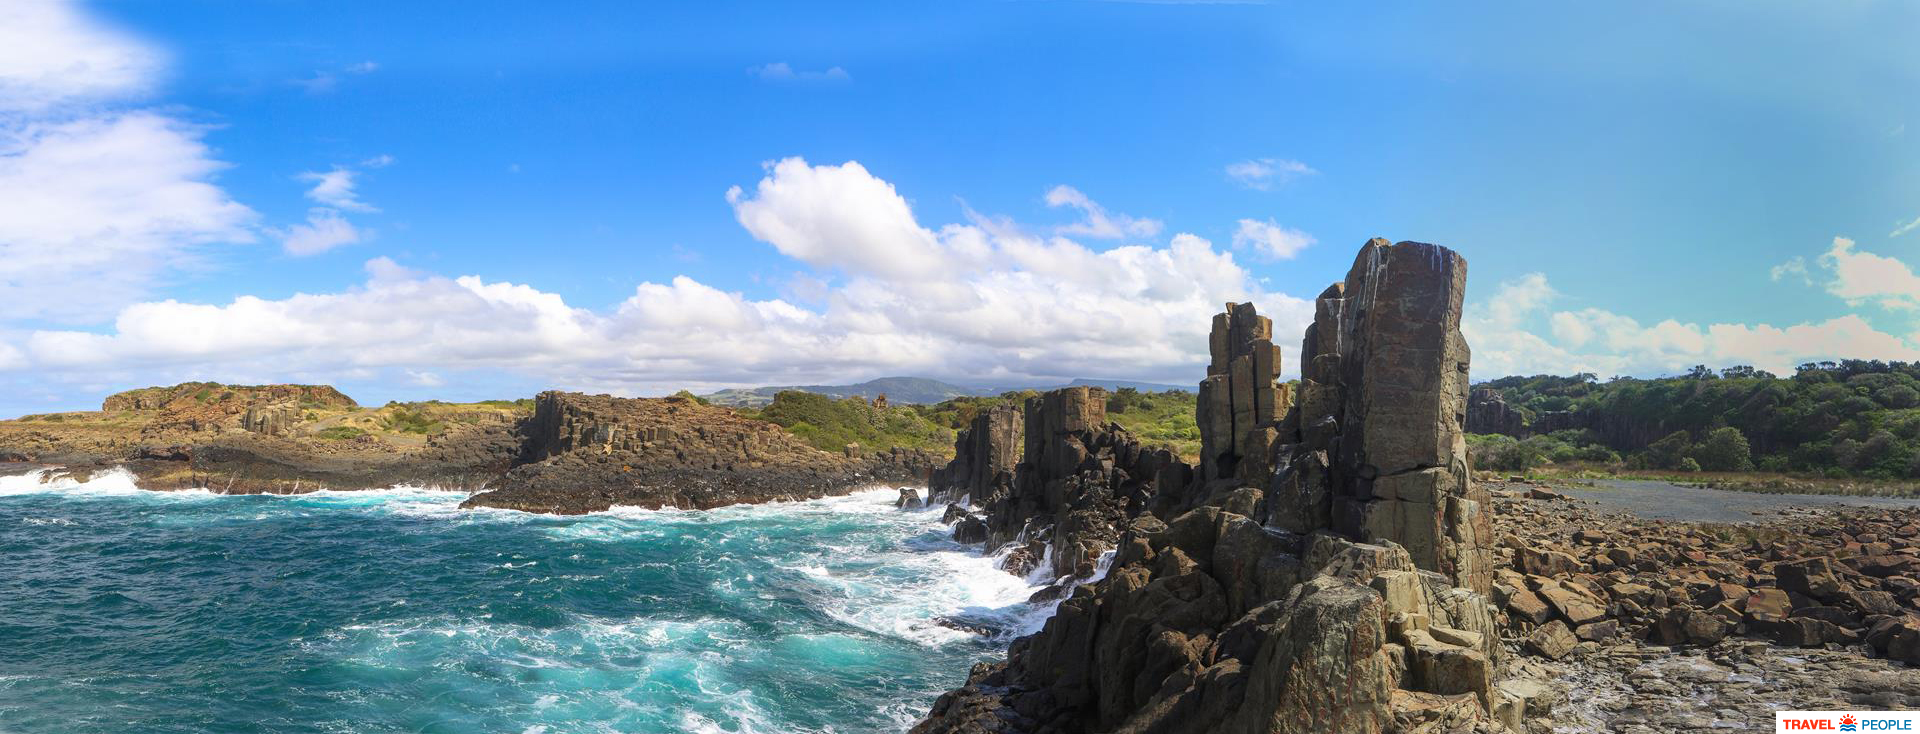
[[984, 456], [1355, 606], [1488, 412], [1080, 479], [1242, 400], [1381, 449]]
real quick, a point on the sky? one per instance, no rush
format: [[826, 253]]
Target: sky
[[470, 200]]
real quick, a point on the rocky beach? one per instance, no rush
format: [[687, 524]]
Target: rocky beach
[[1330, 563]]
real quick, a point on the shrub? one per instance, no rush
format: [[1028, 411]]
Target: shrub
[[338, 433], [1725, 449]]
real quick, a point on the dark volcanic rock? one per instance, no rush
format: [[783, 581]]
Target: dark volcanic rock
[[1488, 412], [984, 456], [1080, 480], [1345, 613], [584, 453]]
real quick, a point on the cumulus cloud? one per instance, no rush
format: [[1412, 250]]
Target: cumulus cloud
[[1096, 221], [324, 230], [1860, 277], [1262, 174], [1010, 305], [1271, 240], [838, 217], [781, 71]]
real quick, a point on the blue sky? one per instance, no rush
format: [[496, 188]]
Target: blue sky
[[472, 200]]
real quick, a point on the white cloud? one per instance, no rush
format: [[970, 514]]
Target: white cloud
[[364, 67], [1262, 173], [838, 217], [54, 55], [1607, 343], [1860, 277], [94, 195], [1795, 268], [335, 189], [1905, 228], [324, 230], [1096, 221], [1002, 303], [379, 161], [781, 71], [1270, 239]]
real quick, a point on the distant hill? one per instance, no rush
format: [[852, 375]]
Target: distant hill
[[917, 390], [897, 390]]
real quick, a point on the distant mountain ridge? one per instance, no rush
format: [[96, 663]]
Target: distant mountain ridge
[[917, 390]]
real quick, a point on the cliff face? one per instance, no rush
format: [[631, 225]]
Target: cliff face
[[583, 453], [1381, 452], [1323, 570], [1488, 412], [984, 455]]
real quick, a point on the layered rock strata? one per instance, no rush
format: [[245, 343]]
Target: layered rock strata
[[1313, 603]]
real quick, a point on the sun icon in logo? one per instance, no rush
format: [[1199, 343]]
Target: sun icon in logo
[[1848, 723]]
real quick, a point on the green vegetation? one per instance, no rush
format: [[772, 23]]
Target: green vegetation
[[341, 433], [411, 420], [831, 424], [1839, 420], [688, 394], [1163, 418]]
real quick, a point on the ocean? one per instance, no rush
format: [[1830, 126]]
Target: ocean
[[123, 610]]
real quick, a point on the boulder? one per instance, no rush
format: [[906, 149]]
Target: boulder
[[1552, 640]]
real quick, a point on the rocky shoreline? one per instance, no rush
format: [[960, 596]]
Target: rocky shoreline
[[572, 454], [1330, 564]]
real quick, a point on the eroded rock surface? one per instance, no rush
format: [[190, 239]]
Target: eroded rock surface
[[583, 453], [1323, 571]]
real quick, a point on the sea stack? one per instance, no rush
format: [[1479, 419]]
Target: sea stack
[[1324, 570]]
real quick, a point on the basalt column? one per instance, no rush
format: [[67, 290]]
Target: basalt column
[[984, 456], [1241, 400], [1381, 443]]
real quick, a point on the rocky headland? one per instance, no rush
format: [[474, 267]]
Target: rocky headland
[[564, 453]]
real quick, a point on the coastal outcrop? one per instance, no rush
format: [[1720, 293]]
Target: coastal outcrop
[[561, 453], [583, 453], [984, 456], [1488, 412], [1080, 479], [1324, 569]]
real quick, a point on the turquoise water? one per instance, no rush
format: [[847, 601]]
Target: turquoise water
[[393, 611]]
